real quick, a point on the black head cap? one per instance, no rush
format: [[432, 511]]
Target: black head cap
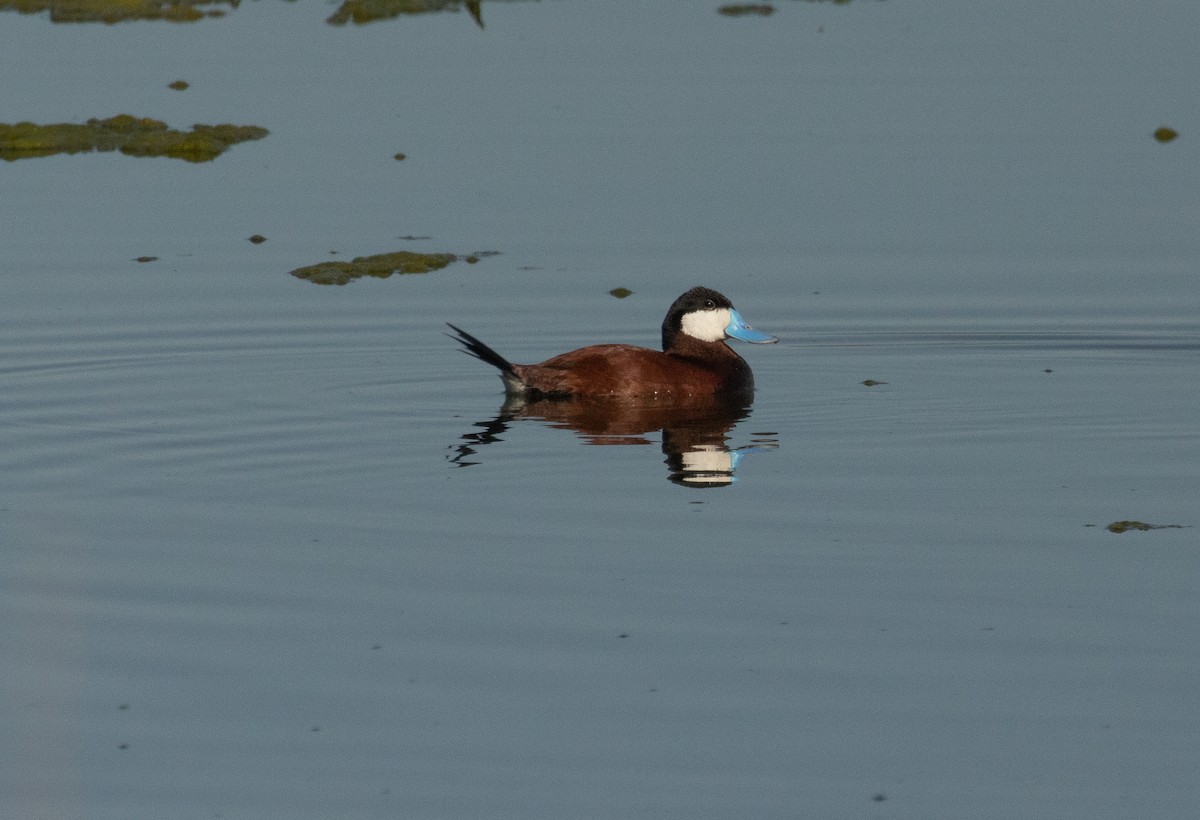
[[695, 299]]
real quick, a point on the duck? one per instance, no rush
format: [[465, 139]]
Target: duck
[[694, 361]]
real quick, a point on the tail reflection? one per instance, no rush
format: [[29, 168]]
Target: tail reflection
[[695, 431]]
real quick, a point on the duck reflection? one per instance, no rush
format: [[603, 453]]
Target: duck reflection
[[695, 431]]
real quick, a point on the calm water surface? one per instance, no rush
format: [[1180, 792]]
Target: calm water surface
[[276, 550]]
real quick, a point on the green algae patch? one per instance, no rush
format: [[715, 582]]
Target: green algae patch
[[381, 267], [118, 11], [1165, 134], [26, 6], [360, 12], [138, 137], [620, 293]]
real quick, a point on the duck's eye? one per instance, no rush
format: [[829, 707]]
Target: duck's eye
[[709, 303]]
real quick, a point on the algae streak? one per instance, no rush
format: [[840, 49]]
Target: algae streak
[[381, 267], [742, 10], [1126, 526], [138, 137], [118, 11]]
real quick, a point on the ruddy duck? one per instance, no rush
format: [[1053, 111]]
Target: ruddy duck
[[695, 361]]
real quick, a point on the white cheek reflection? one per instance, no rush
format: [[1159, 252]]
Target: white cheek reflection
[[706, 325], [707, 465]]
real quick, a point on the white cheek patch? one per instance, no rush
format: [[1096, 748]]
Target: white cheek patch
[[706, 325]]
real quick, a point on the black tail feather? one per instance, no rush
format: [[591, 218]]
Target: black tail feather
[[479, 350]]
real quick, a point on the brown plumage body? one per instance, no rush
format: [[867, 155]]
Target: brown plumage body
[[687, 365], [690, 367]]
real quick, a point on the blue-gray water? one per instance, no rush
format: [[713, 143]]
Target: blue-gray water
[[243, 574]]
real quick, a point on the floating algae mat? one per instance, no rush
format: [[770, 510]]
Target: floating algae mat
[[138, 137], [116, 11], [381, 267], [368, 11]]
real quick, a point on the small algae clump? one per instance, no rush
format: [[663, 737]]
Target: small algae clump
[[139, 137], [381, 267], [1165, 134], [1126, 526], [620, 293]]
